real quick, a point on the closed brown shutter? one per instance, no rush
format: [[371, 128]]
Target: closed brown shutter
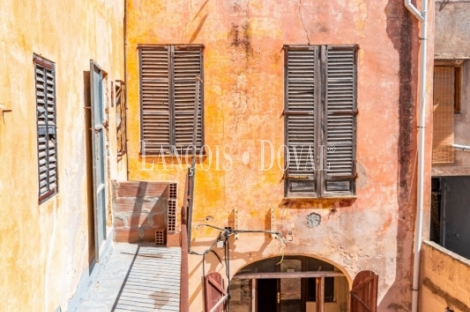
[[443, 115], [168, 91], [187, 64], [341, 114], [155, 99], [299, 112], [46, 127]]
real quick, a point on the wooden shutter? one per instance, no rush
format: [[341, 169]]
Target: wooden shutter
[[120, 91], [443, 115], [46, 127], [215, 295], [341, 111], [299, 111], [187, 64], [364, 292], [168, 92], [155, 99]]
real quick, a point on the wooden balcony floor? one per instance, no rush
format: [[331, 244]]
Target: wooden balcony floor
[[136, 278]]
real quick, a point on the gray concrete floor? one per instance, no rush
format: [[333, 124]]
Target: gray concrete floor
[[136, 278]]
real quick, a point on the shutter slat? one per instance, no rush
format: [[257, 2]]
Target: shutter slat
[[340, 97]]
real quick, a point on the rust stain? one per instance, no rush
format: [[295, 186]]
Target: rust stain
[[319, 203]]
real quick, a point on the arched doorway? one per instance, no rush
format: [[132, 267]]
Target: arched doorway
[[297, 284]]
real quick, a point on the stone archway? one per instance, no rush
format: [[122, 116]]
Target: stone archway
[[298, 283]]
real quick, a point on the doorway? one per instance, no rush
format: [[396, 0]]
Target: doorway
[[450, 213], [297, 284], [98, 156], [267, 294]]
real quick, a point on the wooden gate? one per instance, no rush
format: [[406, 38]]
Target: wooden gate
[[215, 295], [364, 292]]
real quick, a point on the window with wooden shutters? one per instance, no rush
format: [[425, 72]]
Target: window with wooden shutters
[[320, 120], [168, 97], [44, 73]]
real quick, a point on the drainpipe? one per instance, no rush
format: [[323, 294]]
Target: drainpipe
[[461, 147], [422, 17]]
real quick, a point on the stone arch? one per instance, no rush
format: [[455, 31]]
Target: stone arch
[[297, 283]]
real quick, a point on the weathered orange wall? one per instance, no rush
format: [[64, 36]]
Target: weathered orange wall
[[243, 85], [45, 249]]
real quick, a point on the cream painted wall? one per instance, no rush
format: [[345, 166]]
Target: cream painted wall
[[46, 248]]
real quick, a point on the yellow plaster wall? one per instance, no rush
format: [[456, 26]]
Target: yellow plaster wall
[[243, 85], [45, 249], [444, 280]]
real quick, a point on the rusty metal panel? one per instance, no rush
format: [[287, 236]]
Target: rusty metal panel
[[364, 292], [46, 127], [214, 293]]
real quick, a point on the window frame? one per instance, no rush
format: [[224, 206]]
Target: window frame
[[320, 112], [41, 63], [173, 149]]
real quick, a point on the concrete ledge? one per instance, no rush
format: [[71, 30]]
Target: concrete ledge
[[444, 280], [447, 252]]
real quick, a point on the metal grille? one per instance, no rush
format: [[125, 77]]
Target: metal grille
[[46, 127], [443, 115], [160, 237], [171, 219], [167, 96]]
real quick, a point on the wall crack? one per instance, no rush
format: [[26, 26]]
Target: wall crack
[[303, 23]]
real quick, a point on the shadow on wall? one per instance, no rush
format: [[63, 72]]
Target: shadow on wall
[[89, 172], [139, 210]]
